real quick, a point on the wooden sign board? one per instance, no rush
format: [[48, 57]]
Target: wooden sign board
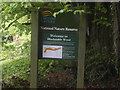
[[58, 36], [62, 37]]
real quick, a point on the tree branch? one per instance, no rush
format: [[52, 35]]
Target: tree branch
[[1, 10], [10, 24], [13, 22], [26, 23]]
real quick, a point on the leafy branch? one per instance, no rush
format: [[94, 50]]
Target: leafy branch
[[13, 22]]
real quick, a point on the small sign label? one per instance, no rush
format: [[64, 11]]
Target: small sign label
[[50, 51]]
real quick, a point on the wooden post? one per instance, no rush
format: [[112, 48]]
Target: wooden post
[[34, 50], [81, 51]]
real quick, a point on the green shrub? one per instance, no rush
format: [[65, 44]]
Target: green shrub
[[99, 66]]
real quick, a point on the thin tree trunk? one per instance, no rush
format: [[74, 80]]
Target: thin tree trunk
[[116, 34], [94, 32]]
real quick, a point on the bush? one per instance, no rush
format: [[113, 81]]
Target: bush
[[99, 66]]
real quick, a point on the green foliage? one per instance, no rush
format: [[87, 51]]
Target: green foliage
[[76, 10], [57, 74], [99, 65], [15, 69], [101, 9], [53, 5], [101, 17], [16, 42], [102, 21]]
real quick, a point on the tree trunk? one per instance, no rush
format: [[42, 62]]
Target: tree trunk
[[116, 33], [94, 33]]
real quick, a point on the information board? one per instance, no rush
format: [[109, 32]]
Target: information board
[[58, 36]]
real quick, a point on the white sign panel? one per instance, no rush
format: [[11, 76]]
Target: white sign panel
[[50, 51]]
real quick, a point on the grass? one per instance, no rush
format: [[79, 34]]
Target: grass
[[15, 69]]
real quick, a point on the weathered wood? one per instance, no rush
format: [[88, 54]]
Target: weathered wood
[[81, 52], [34, 50]]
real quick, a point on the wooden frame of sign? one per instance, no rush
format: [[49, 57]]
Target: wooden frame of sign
[[81, 51], [34, 50]]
